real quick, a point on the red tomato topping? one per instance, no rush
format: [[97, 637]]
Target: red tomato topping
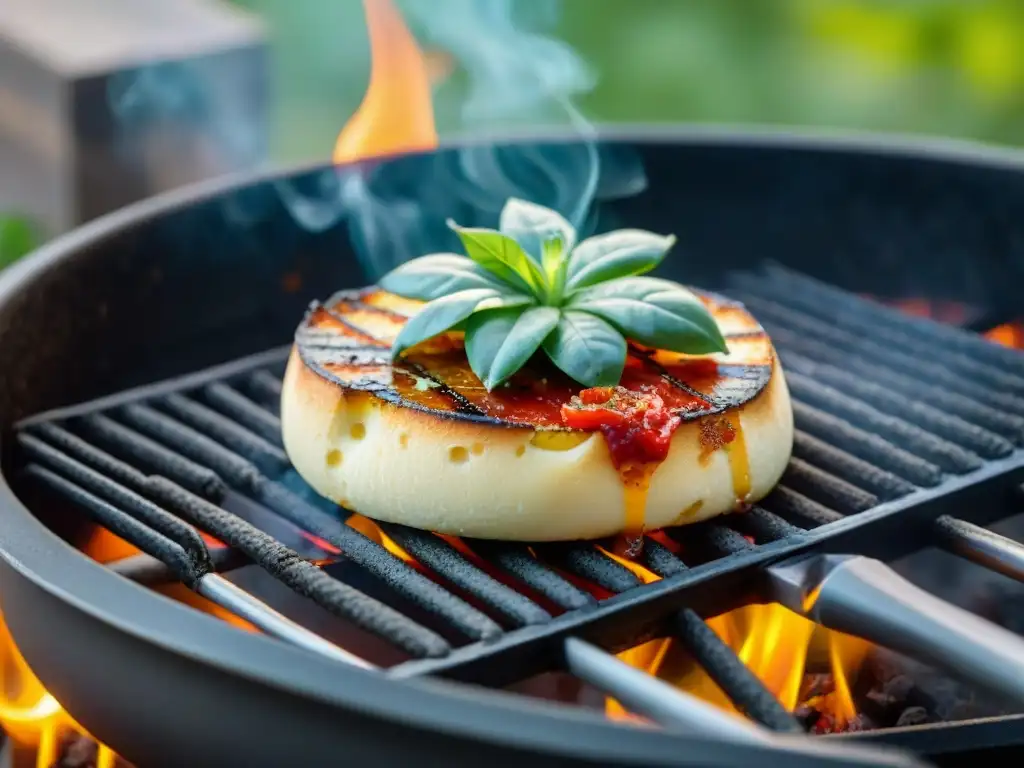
[[636, 424]]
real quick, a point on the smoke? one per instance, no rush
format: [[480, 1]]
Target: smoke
[[181, 121], [513, 75]]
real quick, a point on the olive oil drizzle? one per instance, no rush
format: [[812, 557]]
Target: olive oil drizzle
[[739, 465]]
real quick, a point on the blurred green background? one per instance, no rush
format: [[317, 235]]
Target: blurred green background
[[930, 66], [939, 67]]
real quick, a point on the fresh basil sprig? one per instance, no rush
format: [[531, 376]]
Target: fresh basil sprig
[[530, 286]]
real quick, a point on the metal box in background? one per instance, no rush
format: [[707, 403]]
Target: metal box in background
[[104, 102]]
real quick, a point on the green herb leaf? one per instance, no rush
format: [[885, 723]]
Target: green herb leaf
[[443, 314], [500, 341], [503, 256], [440, 274], [537, 229], [553, 260], [657, 313], [529, 286], [614, 255], [587, 349]]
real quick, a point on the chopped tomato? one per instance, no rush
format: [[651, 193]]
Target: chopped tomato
[[636, 424]]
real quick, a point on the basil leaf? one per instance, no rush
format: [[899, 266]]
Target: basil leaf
[[503, 256], [615, 254], [552, 260], [534, 227], [657, 313], [439, 274], [445, 313], [587, 348], [500, 341]]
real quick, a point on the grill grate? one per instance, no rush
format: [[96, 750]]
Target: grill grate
[[897, 419]]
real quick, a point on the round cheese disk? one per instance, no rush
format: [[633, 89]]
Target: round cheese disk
[[421, 442]]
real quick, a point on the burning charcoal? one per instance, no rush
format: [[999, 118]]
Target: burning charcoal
[[815, 685], [895, 692], [861, 722], [824, 724], [829, 723], [76, 751], [912, 716], [806, 715], [898, 688]]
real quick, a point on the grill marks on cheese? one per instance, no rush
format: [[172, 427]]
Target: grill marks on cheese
[[347, 341]]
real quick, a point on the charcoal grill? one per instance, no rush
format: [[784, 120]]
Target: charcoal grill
[[909, 435]]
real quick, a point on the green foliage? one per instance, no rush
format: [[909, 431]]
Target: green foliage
[[17, 237]]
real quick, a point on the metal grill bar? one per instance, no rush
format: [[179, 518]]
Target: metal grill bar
[[709, 541], [209, 585], [235, 470], [443, 559], [150, 571], [988, 549], [266, 456], [650, 696], [303, 577], [516, 561], [143, 510], [356, 547], [265, 389], [865, 445], [790, 504], [120, 524], [359, 549], [810, 333], [764, 526], [660, 559], [856, 471], [945, 425], [241, 603], [193, 476], [946, 455], [683, 712], [991, 418], [826, 488], [1001, 368], [249, 414], [741, 685], [590, 564]]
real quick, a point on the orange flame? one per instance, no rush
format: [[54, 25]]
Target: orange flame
[[770, 639], [396, 114], [33, 719], [1009, 335]]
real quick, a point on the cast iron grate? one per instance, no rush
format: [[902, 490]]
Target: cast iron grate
[[900, 422]]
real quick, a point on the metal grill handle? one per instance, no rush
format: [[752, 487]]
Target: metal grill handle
[[865, 597]]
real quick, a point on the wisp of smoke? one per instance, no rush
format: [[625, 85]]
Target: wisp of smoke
[[206, 113], [516, 76]]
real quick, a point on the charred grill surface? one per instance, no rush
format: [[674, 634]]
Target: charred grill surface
[[878, 459], [347, 341]]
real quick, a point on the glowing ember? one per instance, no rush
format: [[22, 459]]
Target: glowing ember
[[956, 313], [1009, 335], [952, 312], [396, 114]]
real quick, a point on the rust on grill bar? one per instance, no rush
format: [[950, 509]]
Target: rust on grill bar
[[192, 473]]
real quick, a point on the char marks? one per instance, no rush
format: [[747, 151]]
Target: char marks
[[346, 340]]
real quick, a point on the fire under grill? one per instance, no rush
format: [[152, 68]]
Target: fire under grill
[[909, 435]]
